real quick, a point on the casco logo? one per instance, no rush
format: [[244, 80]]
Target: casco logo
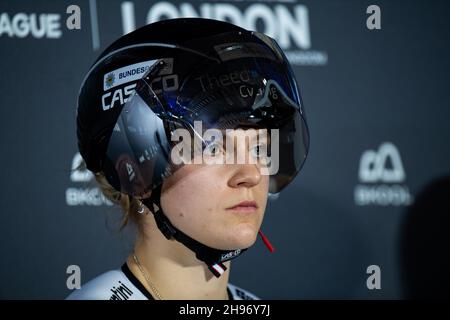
[[373, 166], [120, 95], [382, 172], [229, 255], [77, 196], [21, 25], [288, 24], [131, 73]]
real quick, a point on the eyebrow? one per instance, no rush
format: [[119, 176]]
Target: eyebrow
[[258, 136]]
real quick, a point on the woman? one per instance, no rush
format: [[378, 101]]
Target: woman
[[189, 124]]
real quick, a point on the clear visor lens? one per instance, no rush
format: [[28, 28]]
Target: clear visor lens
[[241, 110]]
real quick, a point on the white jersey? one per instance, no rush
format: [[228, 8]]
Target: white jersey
[[122, 284]]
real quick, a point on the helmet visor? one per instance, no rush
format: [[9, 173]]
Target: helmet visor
[[187, 114]]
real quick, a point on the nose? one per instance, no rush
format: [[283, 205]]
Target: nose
[[245, 175]]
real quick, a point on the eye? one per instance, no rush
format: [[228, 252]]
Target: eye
[[260, 150], [213, 148]]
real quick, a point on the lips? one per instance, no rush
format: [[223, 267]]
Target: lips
[[244, 206]]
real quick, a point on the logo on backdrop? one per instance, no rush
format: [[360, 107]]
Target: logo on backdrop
[[39, 25], [382, 178], [287, 23], [83, 192]]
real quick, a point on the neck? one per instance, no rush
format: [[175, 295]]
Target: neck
[[174, 270]]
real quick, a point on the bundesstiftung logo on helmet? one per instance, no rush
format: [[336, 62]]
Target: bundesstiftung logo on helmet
[[109, 80]]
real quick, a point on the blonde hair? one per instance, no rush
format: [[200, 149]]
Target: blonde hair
[[128, 204]]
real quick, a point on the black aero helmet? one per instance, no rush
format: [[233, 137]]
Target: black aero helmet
[[176, 74]]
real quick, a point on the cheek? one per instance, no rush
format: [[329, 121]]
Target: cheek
[[193, 199], [264, 184], [194, 202], [263, 189]]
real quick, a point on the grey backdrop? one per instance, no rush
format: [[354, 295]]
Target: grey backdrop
[[377, 103]]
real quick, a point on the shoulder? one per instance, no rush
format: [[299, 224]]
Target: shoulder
[[111, 285], [115, 285], [241, 294]]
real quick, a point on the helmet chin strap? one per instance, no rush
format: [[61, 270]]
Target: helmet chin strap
[[213, 258]]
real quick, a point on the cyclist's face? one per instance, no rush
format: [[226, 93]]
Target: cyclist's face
[[199, 199]]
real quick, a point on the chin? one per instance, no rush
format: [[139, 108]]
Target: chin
[[242, 237]]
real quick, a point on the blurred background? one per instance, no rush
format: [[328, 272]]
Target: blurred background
[[366, 218]]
